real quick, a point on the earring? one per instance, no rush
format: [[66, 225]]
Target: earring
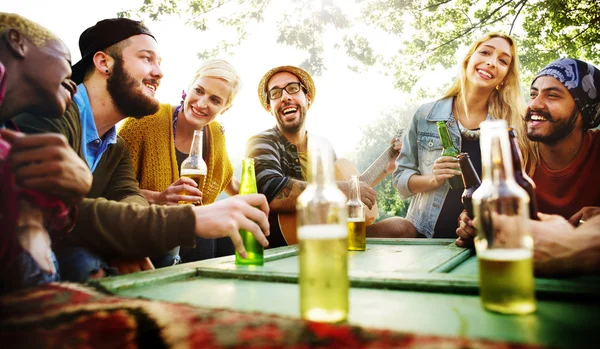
[[183, 95], [497, 87], [106, 71]]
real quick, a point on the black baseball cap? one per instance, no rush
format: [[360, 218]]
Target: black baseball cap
[[102, 35]]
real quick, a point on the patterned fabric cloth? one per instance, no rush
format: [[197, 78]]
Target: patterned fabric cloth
[[73, 316], [151, 144], [583, 82]]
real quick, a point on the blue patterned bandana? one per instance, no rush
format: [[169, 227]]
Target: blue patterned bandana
[[583, 82]]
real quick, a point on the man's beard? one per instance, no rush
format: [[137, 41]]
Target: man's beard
[[559, 129], [123, 89], [296, 125]]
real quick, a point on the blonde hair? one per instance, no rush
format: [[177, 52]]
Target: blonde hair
[[221, 69], [506, 102], [37, 34]]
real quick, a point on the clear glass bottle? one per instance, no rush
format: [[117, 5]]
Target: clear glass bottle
[[323, 240], [253, 247], [504, 244], [194, 166], [357, 228]]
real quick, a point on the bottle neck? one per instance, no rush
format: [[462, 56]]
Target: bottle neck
[[496, 157], [354, 189], [470, 177], [196, 148], [445, 136], [517, 158], [248, 181], [321, 157]]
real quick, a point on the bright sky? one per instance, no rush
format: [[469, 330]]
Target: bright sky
[[344, 103]]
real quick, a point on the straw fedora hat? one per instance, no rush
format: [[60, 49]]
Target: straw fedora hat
[[302, 75]]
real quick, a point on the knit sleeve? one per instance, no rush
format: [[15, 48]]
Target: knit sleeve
[[134, 140]]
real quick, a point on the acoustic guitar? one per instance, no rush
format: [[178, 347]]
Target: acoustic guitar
[[343, 170]]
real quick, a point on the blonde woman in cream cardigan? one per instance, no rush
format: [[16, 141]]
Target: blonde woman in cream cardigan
[[159, 143]]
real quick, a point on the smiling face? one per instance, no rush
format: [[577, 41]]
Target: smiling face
[[551, 113], [48, 76], [489, 64], [135, 76], [206, 99], [289, 109]]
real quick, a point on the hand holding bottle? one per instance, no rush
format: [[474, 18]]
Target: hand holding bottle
[[235, 213], [182, 190], [445, 168]]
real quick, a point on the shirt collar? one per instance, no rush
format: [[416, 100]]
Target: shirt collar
[[90, 132]]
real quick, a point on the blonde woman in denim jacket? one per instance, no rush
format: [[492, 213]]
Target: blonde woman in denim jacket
[[486, 88]]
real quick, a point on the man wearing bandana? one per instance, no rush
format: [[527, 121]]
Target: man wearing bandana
[[563, 109]]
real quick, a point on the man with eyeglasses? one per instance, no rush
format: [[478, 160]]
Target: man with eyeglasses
[[280, 153]]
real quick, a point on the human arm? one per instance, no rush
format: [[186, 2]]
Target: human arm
[[280, 189], [172, 195], [391, 165], [444, 168], [561, 249], [112, 228], [233, 187], [46, 162], [584, 215], [466, 230]]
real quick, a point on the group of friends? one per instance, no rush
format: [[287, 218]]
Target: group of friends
[[81, 199]]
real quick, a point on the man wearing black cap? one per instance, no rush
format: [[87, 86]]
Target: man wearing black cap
[[118, 75]]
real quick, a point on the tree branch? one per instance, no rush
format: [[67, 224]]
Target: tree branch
[[523, 3], [434, 5], [473, 27]]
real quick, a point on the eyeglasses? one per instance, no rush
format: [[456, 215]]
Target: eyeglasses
[[291, 88]]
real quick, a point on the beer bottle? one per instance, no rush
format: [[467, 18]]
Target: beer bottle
[[253, 248], [449, 150], [357, 229], [471, 182], [521, 176], [504, 244], [323, 240], [194, 166]]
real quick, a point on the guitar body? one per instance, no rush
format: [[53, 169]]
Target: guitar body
[[287, 221]]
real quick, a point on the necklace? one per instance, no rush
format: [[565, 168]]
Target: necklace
[[470, 135]]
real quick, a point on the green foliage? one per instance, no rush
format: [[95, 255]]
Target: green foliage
[[374, 141], [419, 35]]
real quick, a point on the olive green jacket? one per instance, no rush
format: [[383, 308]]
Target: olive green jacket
[[115, 219]]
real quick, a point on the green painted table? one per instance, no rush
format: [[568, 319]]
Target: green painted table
[[418, 285]]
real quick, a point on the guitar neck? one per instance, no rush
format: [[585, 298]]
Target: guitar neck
[[378, 166]]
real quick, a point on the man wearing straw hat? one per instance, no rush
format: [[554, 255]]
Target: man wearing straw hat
[[280, 153]]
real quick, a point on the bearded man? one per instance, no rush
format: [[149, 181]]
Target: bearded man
[[280, 153], [563, 109], [117, 77]]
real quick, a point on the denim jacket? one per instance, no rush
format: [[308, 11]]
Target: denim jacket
[[421, 146]]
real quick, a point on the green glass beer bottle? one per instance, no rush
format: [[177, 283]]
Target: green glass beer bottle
[[449, 150], [504, 244], [323, 240], [253, 248]]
